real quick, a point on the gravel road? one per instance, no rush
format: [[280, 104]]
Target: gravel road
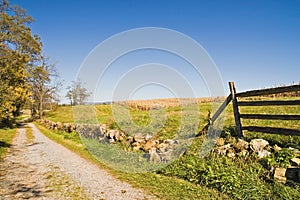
[[43, 169]]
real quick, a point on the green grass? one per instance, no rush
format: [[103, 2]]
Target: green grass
[[192, 177], [62, 114], [162, 124], [167, 126], [71, 141], [29, 134], [6, 136], [115, 157], [163, 187], [281, 140], [238, 178]]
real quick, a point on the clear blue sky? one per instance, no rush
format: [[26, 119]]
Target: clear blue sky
[[254, 43]]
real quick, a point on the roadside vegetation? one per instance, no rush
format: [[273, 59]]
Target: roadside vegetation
[[6, 137], [29, 135], [215, 176], [163, 187]]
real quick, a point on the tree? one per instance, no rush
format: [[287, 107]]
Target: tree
[[19, 51], [44, 86], [77, 94]]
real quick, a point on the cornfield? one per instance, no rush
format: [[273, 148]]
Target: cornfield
[[145, 105]]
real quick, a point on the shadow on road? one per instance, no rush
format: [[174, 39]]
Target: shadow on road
[[4, 144]]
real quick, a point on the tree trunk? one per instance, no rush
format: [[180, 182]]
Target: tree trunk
[[41, 108]]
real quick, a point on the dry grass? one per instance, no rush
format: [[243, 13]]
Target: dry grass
[[145, 105], [29, 134]]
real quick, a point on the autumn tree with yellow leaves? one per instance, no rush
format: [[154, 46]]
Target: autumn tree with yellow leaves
[[20, 58]]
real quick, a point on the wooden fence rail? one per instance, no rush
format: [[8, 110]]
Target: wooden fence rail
[[274, 117], [237, 115], [269, 103], [270, 91], [222, 107], [272, 130], [278, 90]]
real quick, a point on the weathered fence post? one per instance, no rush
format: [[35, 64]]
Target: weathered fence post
[[235, 110]]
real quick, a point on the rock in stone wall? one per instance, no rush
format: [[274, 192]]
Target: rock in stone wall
[[153, 149], [260, 148], [243, 148]]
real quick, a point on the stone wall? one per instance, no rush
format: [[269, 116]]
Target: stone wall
[[155, 151], [261, 148]]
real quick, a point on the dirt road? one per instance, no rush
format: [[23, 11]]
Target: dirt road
[[39, 168]]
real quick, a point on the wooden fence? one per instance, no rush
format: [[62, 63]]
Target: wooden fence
[[271, 91]]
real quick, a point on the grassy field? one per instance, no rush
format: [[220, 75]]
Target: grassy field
[[283, 141], [164, 187], [191, 176], [6, 136], [140, 120]]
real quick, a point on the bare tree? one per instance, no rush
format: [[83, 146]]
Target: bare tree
[[77, 94], [44, 86]]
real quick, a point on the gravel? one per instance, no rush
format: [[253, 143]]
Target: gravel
[[31, 164]]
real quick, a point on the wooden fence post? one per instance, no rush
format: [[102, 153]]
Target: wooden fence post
[[236, 110]]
